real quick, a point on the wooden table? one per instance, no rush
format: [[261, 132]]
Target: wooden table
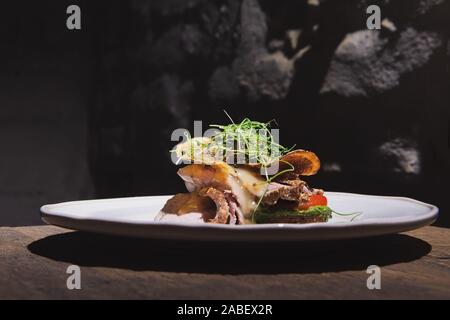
[[34, 261]]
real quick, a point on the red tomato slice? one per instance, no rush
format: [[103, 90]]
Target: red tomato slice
[[315, 200]]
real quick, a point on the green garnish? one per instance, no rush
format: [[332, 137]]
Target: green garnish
[[354, 214], [247, 142], [264, 215], [251, 140]]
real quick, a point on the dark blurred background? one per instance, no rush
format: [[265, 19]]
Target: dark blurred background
[[89, 113]]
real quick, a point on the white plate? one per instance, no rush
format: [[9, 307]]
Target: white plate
[[136, 217]]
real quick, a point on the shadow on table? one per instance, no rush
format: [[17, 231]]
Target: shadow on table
[[85, 249]]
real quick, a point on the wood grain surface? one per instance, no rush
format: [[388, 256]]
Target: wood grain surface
[[34, 260]]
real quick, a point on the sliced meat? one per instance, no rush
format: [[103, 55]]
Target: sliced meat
[[232, 207], [276, 191], [216, 206], [223, 209], [292, 190], [236, 215], [303, 185]]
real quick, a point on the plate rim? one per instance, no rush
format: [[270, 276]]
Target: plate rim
[[47, 215]]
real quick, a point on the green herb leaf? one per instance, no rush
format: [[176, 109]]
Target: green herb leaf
[[265, 215]]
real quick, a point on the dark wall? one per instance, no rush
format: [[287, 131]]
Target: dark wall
[[46, 82], [89, 113]]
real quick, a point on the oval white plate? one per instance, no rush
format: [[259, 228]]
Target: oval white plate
[[136, 217]]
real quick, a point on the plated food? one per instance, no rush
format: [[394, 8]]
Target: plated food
[[138, 217], [263, 182], [261, 197]]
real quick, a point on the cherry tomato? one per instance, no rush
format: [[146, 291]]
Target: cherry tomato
[[314, 200]]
